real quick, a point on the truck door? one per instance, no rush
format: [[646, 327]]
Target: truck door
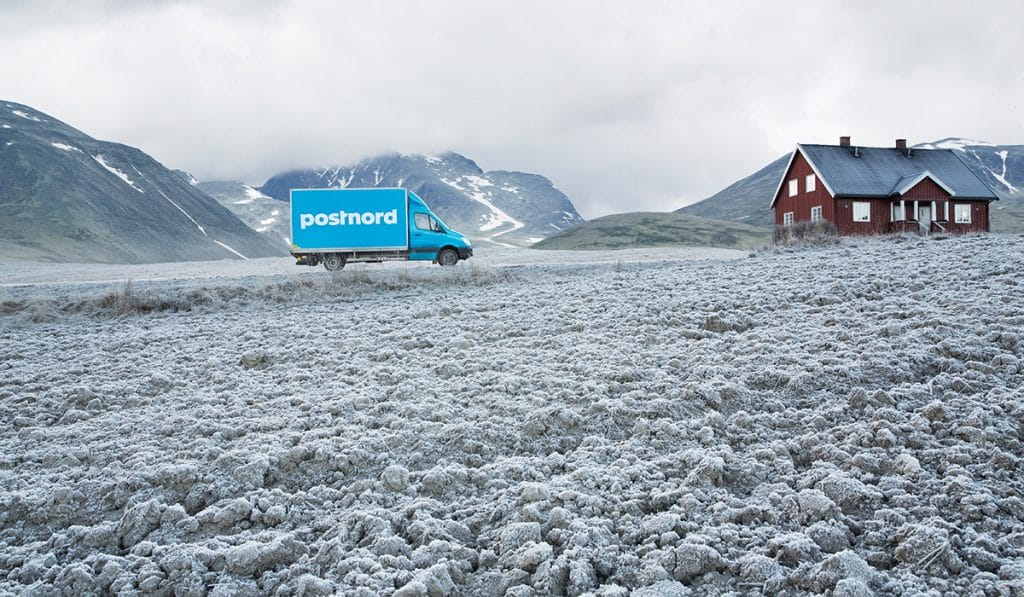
[[426, 235]]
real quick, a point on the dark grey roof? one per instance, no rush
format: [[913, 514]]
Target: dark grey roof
[[878, 172]]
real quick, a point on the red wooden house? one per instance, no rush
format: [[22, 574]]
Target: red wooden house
[[876, 190]]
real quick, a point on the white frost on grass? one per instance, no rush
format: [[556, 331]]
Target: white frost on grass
[[791, 422], [124, 177]]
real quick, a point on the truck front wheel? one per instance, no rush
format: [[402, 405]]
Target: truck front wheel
[[447, 257], [333, 262]]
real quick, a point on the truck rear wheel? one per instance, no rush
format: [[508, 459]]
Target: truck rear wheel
[[333, 262], [447, 257]]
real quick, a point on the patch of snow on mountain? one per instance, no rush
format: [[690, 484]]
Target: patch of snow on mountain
[[957, 144], [453, 183], [1001, 177], [27, 116], [7, 126], [255, 194], [185, 213], [66, 147], [494, 220], [230, 249], [477, 181], [99, 159]]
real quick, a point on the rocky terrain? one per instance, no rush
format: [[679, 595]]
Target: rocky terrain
[[843, 419]]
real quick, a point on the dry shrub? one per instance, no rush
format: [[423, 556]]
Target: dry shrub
[[806, 234]]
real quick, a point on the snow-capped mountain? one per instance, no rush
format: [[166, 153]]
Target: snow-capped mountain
[[65, 196], [1000, 166], [264, 214], [501, 207]]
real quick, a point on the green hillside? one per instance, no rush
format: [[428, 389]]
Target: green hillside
[[656, 229]]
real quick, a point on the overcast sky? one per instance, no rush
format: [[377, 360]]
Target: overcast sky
[[625, 106]]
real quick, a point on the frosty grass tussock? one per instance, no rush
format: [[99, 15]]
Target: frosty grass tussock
[[843, 418]]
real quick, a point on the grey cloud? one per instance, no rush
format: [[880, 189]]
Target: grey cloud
[[624, 105]]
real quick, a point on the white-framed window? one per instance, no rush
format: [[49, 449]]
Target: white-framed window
[[787, 218], [861, 211], [815, 213], [809, 184], [962, 213], [793, 187], [897, 211]]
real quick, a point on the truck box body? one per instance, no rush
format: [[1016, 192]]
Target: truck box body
[[336, 226], [350, 219]]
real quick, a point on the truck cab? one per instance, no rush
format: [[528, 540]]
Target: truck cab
[[431, 240]]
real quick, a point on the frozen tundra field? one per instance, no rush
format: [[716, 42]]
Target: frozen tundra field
[[845, 419]]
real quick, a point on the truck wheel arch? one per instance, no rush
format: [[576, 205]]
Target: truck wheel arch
[[447, 256]]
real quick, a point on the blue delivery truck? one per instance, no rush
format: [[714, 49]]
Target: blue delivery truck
[[339, 226]]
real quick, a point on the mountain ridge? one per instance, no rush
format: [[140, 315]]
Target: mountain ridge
[[66, 196], [502, 207]]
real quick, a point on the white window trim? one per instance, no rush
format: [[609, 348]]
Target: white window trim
[[816, 213], [809, 183], [793, 187], [867, 210], [787, 218], [960, 208]]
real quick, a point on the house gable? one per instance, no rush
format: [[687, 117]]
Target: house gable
[[905, 184], [798, 156]]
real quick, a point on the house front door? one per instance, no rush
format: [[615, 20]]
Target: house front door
[[924, 216]]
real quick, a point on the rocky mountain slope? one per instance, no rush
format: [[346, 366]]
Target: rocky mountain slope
[[65, 196], [745, 200], [500, 207], [264, 214], [1000, 166]]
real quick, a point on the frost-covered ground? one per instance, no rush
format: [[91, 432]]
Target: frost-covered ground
[[843, 419]]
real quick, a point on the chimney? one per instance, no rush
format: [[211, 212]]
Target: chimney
[[844, 141], [901, 143]]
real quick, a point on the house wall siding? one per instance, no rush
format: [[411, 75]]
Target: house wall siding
[[926, 190], [802, 203], [979, 217], [881, 216]]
